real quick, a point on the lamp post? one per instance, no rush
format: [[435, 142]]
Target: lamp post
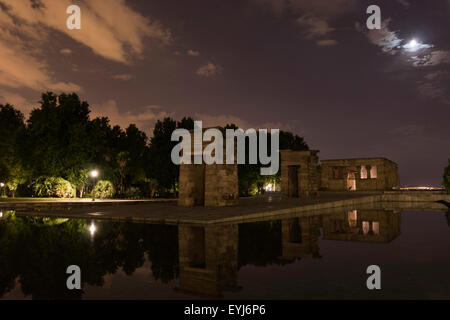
[[2, 185], [94, 175]]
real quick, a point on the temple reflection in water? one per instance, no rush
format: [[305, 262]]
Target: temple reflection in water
[[210, 256], [198, 259]]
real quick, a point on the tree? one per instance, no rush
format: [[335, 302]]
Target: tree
[[161, 166], [79, 178], [122, 160], [136, 146], [250, 179], [446, 177], [12, 127], [58, 135]]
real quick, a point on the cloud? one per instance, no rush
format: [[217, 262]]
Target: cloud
[[144, 119], [123, 77], [317, 7], [65, 51], [19, 68], [102, 29], [432, 58], [193, 53], [408, 130], [28, 26], [209, 70], [209, 120], [422, 56], [326, 43], [313, 27], [385, 38], [312, 16], [404, 3], [435, 86], [18, 101]]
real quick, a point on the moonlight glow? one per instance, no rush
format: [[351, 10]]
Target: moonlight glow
[[414, 45]]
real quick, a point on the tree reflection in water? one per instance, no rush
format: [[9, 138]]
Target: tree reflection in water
[[37, 251], [205, 259]]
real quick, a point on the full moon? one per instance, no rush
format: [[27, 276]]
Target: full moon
[[413, 43]]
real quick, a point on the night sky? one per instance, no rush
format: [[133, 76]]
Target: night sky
[[310, 67]]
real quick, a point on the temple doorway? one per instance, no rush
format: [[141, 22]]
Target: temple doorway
[[293, 180]]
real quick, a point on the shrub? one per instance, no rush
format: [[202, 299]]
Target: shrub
[[133, 192], [103, 189], [53, 187]]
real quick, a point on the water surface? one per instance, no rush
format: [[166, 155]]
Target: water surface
[[321, 256]]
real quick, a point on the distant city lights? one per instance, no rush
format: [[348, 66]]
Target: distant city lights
[[420, 188]]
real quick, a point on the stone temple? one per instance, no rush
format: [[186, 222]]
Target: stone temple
[[216, 185], [299, 174], [364, 174]]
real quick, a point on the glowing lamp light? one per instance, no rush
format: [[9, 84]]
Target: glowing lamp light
[[1, 214], [94, 173], [92, 229], [268, 187], [2, 184]]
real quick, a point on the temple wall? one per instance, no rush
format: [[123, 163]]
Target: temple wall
[[299, 174], [335, 174], [211, 185]]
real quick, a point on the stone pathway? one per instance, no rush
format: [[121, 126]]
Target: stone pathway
[[168, 212]]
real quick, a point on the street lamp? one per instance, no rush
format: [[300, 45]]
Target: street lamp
[[94, 175], [1, 187]]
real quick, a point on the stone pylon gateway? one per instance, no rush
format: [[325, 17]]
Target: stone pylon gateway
[[299, 173], [211, 185]]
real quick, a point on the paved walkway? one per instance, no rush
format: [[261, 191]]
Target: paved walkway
[[168, 211], [249, 209]]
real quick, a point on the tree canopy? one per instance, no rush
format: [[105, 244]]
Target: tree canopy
[[60, 140]]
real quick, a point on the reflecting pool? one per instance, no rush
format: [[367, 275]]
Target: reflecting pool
[[312, 256]]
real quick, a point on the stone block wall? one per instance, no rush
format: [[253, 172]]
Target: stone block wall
[[221, 185], [299, 173], [212, 185], [336, 174], [191, 185]]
